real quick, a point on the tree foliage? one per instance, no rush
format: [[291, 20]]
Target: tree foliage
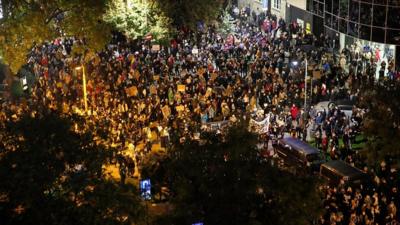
[[137, 18], [225, 181], [189, 12], [382, 120], [52, 174], [30, 22], [227, 24]]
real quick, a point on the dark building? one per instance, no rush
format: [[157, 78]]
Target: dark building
[[373, 20], [368, 24]]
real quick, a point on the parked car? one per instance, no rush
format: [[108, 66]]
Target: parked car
[[298, 154], [343, 105], [336, 170]]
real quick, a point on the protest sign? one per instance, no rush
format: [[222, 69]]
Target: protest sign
[[166, 111], [153, 90], [131, 91], [181, 87], [180, 108], [316, 74]]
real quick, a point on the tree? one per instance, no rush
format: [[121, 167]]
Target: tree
[[28, 22], [381, 122], [225, 181], [137, 18], [189, 12], [227, 24], [52, 174]]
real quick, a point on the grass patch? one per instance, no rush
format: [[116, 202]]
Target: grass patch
[[356, 146]]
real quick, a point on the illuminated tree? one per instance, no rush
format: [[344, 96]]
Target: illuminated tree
[[30, 22], [27, 22], [227, 24], [137, 18]]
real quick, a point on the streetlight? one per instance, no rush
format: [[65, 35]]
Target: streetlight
[[305, 84], [305, 100], [84, 85]]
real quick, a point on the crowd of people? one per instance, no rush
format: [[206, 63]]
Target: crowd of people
[[371, 204], [140, 94]]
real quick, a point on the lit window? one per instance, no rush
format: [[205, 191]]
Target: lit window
[[1, 10], [276, 4]]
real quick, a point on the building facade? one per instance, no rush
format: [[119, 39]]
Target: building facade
[[367, 24], [290, 10], [276, 7], [312, 22]]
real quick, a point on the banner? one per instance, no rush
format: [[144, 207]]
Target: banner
[[214, 126], [260, 127]]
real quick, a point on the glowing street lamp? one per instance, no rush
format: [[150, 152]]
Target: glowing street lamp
[[84, 85]]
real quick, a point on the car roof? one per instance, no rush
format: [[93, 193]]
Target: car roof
[[343, 168], [345, 107], [320, 106], [299, 145], [344, 102]]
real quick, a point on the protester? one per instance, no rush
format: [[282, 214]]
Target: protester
[[139, 97]]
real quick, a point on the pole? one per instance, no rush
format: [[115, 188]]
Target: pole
[[311, 88], [84, 88], [305, 101], [305, 86]]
